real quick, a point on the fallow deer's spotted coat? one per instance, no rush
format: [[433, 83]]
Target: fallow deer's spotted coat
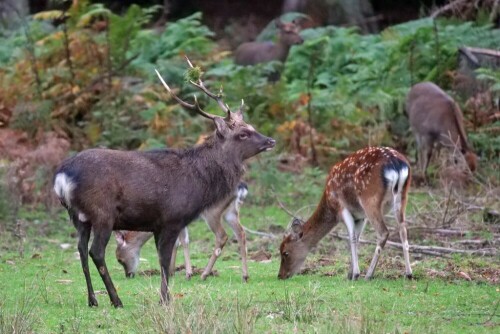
[[357, 189]]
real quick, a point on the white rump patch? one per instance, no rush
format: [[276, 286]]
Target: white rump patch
[[396, 179], [392, 176], [63, 186]]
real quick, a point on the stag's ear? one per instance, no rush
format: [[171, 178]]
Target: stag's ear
[[221, 127], [297, 228], [278, 23]]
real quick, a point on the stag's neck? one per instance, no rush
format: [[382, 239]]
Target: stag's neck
[[281, 51], [320, 223]]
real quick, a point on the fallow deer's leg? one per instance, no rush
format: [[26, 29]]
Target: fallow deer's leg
[[184, 240], [165, 241], [353, 241], [171, 269], [97, 252], [213, 219], [400, 217], [375, 217], [233, 219], [83, 249], [359, 226]]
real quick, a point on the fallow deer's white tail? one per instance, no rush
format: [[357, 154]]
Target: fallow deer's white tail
[[396, 174]]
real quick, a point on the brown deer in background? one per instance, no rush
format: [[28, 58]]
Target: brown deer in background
[[159, 191], [129, 243], [358, 189], [436, 120], [252, 53]]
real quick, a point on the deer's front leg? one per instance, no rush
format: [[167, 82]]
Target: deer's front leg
[[353, 242], [165, 241]]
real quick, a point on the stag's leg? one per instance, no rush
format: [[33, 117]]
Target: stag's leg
[[97, 251], [375, 217], [232, 217], [165, 242], [83, 249], [353, 241], [213, 219], [400, 217], [184, 240]]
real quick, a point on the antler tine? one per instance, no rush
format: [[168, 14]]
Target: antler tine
[[194, 106], [216, 97]]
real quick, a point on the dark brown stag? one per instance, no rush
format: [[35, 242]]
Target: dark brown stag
[[159, 191]]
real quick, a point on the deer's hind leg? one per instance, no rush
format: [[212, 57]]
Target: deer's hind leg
[[102, 233], [83, 230], [213, 219]]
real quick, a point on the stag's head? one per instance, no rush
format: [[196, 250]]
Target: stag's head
[[293, 251], [289, 32], [236, 136]]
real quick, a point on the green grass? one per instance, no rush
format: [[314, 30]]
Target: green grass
[[45, 292]]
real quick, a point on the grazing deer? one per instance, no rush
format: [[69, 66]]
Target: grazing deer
[[436, 120], [129, 243], [358, 189], [159, 191], [252, 53]]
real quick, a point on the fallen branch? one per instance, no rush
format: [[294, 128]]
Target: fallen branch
[[440, 231], [430, 250], [262, 234]]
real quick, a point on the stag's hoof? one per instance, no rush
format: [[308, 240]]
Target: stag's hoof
[[92, 301], [245, 279], [188, 276], [130, 275], [409, 276]]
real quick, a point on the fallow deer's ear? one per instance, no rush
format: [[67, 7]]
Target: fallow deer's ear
[[297, 228], [221, 127], [120, 238]]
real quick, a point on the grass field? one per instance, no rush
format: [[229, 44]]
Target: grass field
[[44, 290]]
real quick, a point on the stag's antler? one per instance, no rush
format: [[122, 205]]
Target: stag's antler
[[199, 84]]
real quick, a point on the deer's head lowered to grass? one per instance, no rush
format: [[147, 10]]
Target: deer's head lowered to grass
[[159, 191]]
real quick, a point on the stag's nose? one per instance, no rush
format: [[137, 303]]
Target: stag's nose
[[271, 142]]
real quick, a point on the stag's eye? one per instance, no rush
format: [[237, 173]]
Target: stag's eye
[[285, 254], [243, 136]]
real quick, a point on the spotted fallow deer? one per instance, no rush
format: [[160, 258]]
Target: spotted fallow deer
[[252, 53], [436, 120], [159, 191], [129, 243], [358, 189]]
